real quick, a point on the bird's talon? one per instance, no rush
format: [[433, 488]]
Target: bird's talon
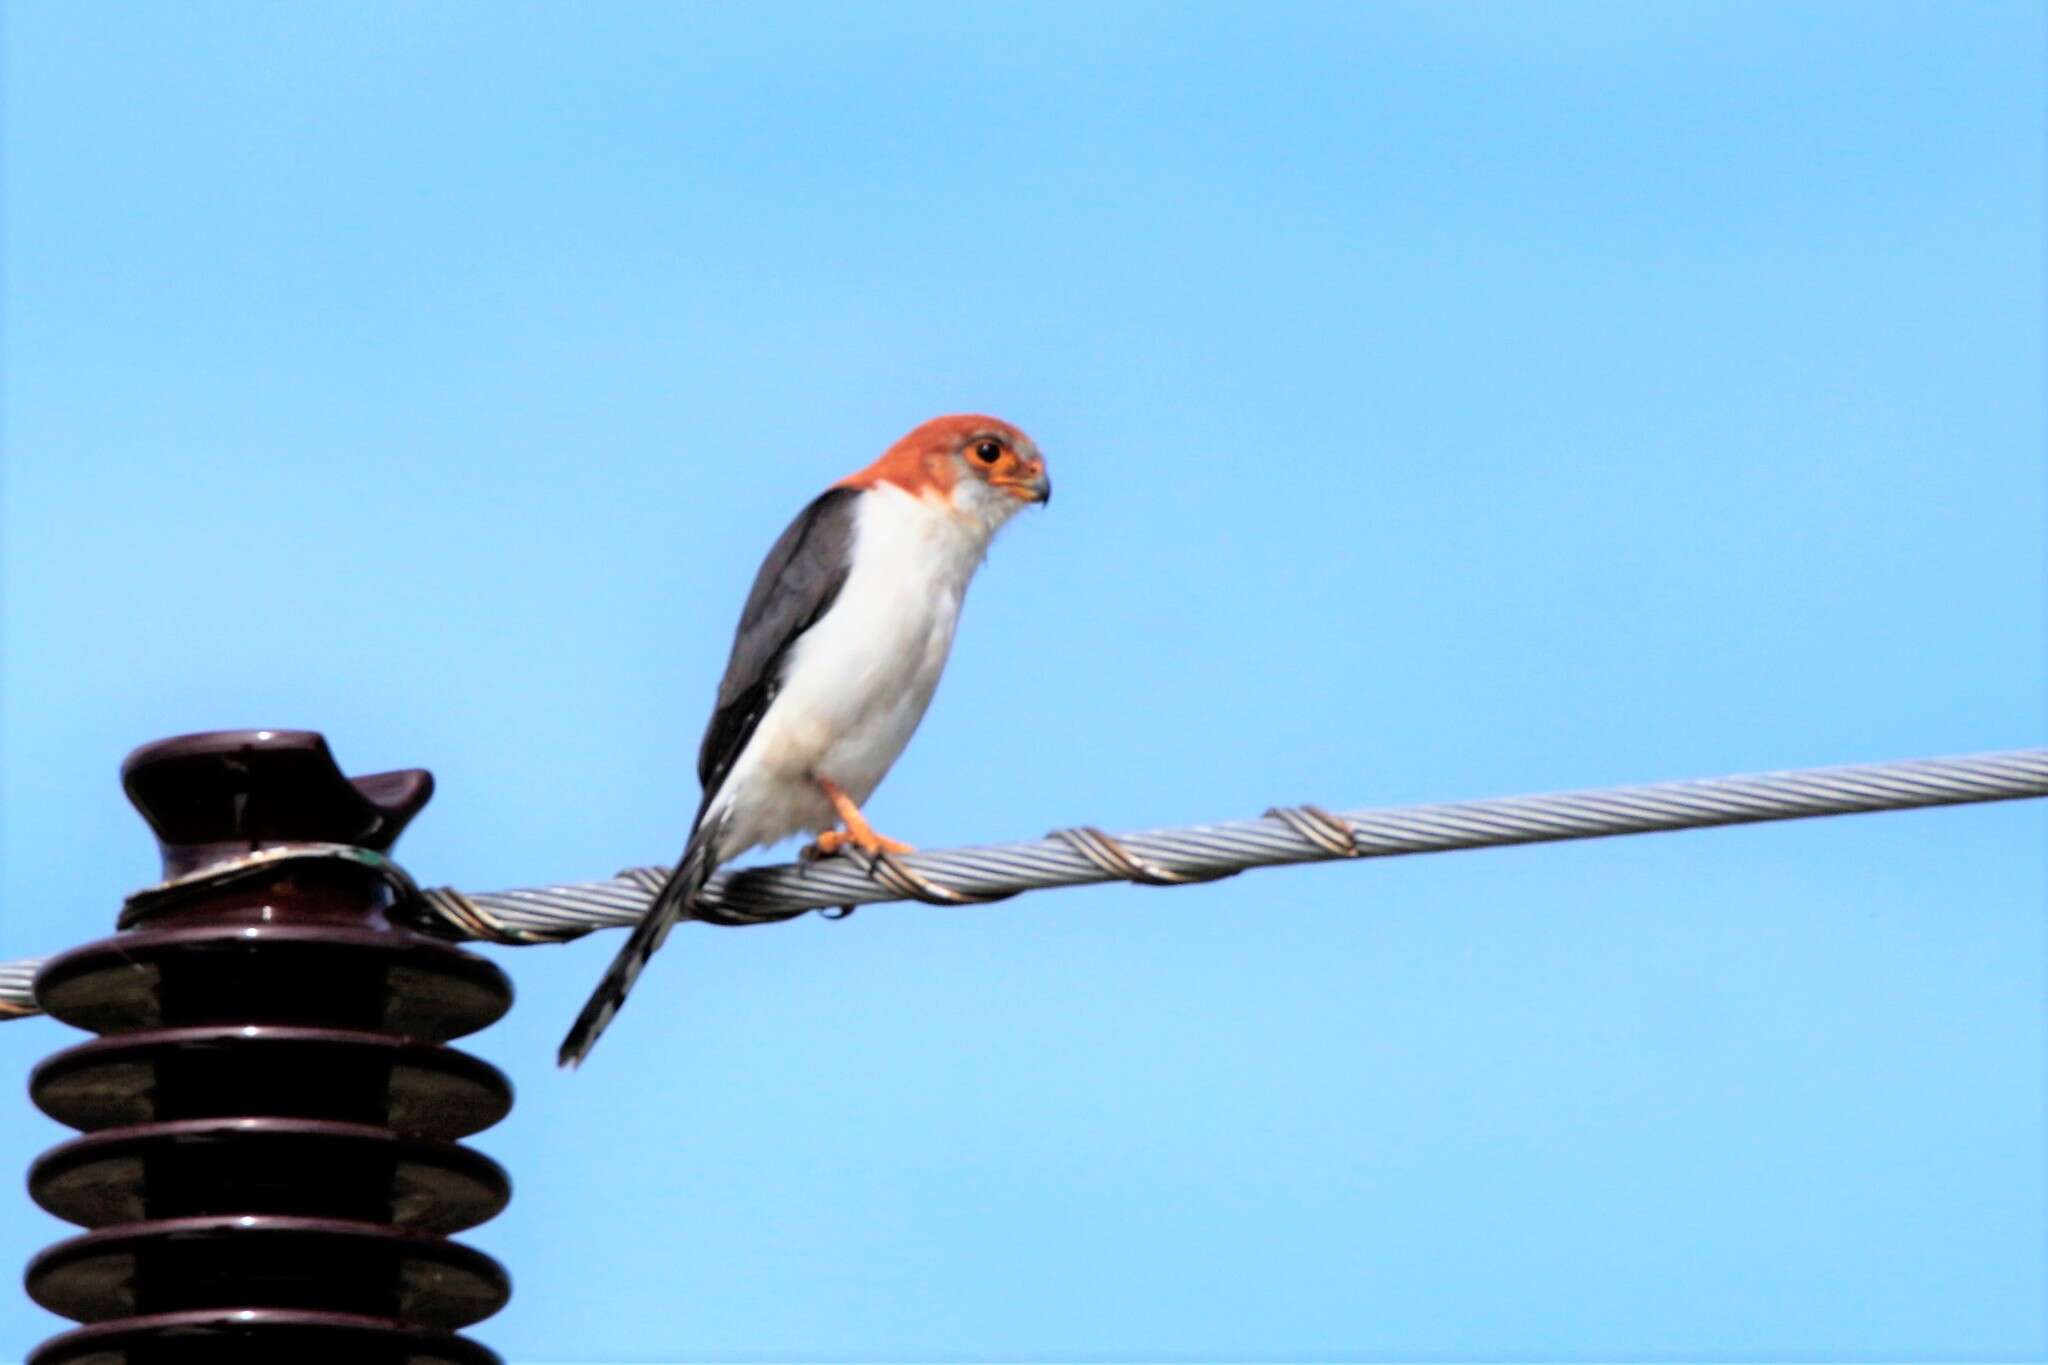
[[838, 841]]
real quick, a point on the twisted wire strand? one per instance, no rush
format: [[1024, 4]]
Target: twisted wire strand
[[16, 999], [1199, 853]]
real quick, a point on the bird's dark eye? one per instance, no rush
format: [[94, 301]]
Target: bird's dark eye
[[988, 452]]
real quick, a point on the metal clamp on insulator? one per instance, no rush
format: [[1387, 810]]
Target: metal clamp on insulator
[[1112, 857], [1330, 833], [141, 904]]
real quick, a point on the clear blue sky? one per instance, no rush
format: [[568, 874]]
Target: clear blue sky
[[1445, 401]]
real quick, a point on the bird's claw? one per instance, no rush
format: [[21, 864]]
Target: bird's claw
[[836, 840]]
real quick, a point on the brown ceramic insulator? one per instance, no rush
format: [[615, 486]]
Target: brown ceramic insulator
[[175, 1265], [258, 1336], [269, 1168], [208, 1166], [407, 1084]]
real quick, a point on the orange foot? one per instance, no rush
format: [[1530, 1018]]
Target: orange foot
[[858, 832]]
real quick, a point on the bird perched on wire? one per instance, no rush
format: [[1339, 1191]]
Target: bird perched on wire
[[839, 648]]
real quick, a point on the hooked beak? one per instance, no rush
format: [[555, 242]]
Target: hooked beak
[[1036, 488]]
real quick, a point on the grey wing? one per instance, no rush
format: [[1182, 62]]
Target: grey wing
[[798, 583]]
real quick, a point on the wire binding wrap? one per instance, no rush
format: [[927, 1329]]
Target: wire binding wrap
[[907, 884], [1296, 834], [472, 921], [1330, 833], [1120, 863]]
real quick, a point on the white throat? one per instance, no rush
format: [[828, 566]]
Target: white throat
[[985, 508]]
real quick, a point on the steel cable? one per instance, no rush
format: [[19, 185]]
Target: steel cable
[[1199, 853]]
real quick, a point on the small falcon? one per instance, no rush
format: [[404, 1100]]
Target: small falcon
[[839, 648]]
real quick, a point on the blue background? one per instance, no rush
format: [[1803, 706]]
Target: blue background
[[1444, 401]]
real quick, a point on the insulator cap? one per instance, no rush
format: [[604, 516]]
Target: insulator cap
[[269, 1168]]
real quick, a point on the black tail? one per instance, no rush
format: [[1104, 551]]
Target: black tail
[[670, 905]]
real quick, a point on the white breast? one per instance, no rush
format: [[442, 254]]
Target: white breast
[[858, 682]]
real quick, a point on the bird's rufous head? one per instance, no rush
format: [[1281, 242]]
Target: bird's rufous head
[[981, 465]]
